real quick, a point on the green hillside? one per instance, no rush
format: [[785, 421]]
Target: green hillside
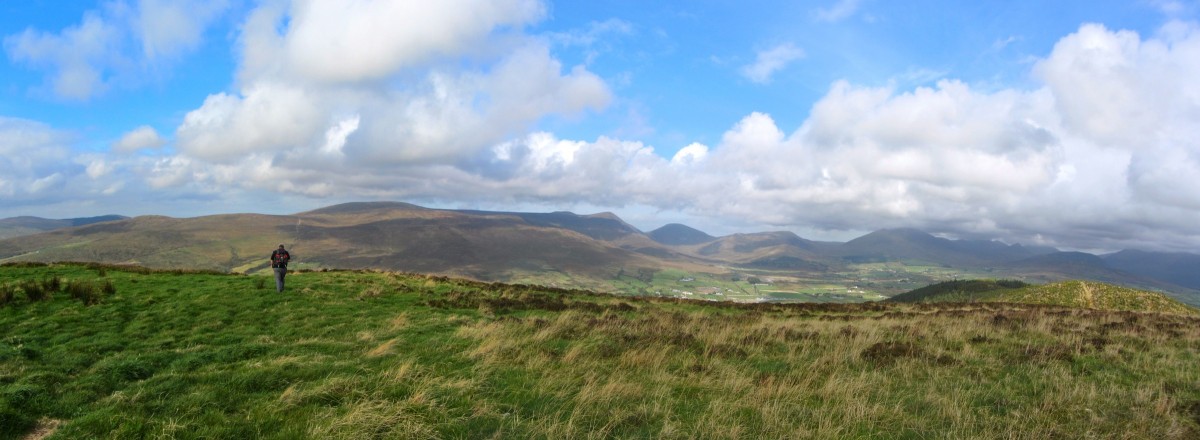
[[1074, 294], [959, 291], [1093, 295], [101, 352]]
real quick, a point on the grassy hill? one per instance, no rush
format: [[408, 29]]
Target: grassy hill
[[959, 291], [1093, 295], [99, 352], [1076, 294], [552, 249]]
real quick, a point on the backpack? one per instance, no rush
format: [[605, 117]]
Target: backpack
[[280, 258]]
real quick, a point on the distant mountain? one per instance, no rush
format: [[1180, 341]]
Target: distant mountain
[[1065, 265], [561, 248], [767, 250], [757, 243], [915, 245], [363, 208], [490, 246], [603, 226], [1073, 259], [18, 226], [1073, 293], [675, 234], [1177, 268]]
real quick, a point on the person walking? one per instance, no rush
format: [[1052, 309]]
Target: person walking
[[279, 262]]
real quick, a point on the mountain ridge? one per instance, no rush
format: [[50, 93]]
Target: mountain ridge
[[27, 225], [552, 248]]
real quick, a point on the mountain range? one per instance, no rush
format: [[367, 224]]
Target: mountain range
[[558, 248], [18, 226]]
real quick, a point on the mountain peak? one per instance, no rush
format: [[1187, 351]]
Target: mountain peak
[[675, 234], [361, 207]]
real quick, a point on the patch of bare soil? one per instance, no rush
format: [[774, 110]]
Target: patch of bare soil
[[44, 428]]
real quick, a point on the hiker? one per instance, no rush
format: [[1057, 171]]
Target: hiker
[[279, 261]]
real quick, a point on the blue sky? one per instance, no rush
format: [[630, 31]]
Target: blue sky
[[1065, 123]]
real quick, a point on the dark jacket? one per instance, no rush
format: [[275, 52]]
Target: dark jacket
[[280, 258]]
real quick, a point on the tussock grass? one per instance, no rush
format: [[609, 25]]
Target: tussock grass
[[355, 354]]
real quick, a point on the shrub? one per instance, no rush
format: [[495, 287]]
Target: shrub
[[108, 288], [52, 284], [1012, 284], [34, 291], [7, 292], [24, 264], [260, 283], [86, 292]]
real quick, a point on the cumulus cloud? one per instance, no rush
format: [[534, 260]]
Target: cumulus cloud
[[461, 79], [264, 118], [140, 138], [83, 60], [34, 160], [77, 58], [772, 60], [359, 40], [1097, 154], [42, 167]]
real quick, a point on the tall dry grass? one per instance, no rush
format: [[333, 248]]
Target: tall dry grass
[[999, 371]]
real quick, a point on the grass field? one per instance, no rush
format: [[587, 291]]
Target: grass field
[[375, 355]]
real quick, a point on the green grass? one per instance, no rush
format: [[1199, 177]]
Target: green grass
[[1077, 294], [377, 355], [1093, 295]]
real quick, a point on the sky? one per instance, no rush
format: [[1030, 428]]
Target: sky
[[1070, 123]]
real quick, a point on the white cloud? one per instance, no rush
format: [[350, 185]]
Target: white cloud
[[466, 97], [335, 137], [1118, 90], [84, 60], [691, 154], [1003, 43], [772, 60], [97, 168], [593, 33], [43, 183], [36, 162], [267, 117], [355, 40], [1170, 7], [169, 27], [140, 138], [1030, 166], [77, 58], [1100, 153], [839, 11]]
